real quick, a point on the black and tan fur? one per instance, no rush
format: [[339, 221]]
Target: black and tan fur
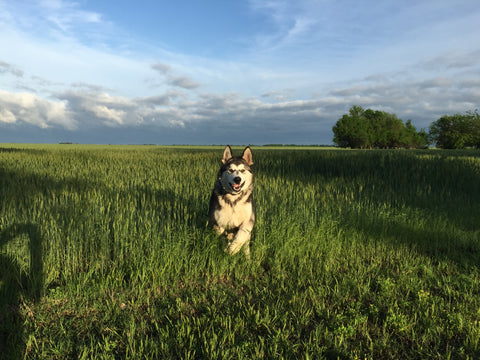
[[231, 208]]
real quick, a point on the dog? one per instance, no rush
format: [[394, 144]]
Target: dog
[[231, 208]]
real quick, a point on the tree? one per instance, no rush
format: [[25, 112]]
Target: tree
[[456, 131], [413, 139], [375, 129], [351, 130]]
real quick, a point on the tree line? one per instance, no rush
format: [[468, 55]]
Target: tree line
[[369, 129]]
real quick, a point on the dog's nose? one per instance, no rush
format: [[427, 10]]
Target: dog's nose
[[237, 180]]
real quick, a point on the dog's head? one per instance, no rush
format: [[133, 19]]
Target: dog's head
[[236, 173]]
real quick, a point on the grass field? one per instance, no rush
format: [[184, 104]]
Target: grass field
[[105, 254]]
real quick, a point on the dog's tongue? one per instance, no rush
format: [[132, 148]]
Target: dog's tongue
[[236, 186]]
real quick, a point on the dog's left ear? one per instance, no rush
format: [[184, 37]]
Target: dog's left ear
[[247, 155], [227, 154]]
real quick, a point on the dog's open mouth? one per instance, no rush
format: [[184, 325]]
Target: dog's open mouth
[[237, 187]]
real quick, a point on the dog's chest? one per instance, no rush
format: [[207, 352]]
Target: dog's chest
[[233, 216]]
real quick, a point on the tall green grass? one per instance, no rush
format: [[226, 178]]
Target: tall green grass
[[105, 254]]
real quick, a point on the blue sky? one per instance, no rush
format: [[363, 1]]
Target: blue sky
[[239, 72]]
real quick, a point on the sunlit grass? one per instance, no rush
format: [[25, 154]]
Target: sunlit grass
[[105, 253]]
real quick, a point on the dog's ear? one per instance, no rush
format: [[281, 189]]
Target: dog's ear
[[247, 155], [227, 154]]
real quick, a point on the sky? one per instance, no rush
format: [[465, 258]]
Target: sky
[[229, 71]]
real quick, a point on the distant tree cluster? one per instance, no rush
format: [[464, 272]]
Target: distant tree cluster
[[368, 129], [456, 131]]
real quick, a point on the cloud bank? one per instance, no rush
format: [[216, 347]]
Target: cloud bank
[[213, 115]]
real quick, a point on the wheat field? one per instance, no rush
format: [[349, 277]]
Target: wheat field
[[105, 254]]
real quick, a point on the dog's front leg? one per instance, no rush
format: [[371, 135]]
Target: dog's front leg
[[218, 229], [241, 239]]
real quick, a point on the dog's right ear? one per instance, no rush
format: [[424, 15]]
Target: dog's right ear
[[227, 154], [247, 155]]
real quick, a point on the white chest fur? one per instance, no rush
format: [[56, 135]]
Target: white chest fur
[[229, 216]]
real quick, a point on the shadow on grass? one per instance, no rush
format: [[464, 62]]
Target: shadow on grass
[[22, 279], [464, 249], [17, 286], [17, 150]]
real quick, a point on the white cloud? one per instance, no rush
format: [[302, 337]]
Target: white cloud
[[107, 113], [167, 71], [183, 82], [52, 17], [10, 69], [163, 69], [93, 109], [458, 60], [32, 109], [6, 116]]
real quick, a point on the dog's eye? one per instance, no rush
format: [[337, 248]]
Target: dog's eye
[[242, 171], [230, 171]]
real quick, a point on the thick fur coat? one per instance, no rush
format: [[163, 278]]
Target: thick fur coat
[[231, 209]]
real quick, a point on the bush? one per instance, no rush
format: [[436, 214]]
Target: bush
[[456, 131]]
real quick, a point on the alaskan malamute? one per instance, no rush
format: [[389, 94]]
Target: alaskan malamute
[[231, 204]]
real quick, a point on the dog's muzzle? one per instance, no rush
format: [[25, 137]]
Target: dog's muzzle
[[237, 184]]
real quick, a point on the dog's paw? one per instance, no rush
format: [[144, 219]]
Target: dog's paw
[[233, 248]]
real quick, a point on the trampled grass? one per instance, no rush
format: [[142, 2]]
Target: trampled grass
[[105, 254]]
